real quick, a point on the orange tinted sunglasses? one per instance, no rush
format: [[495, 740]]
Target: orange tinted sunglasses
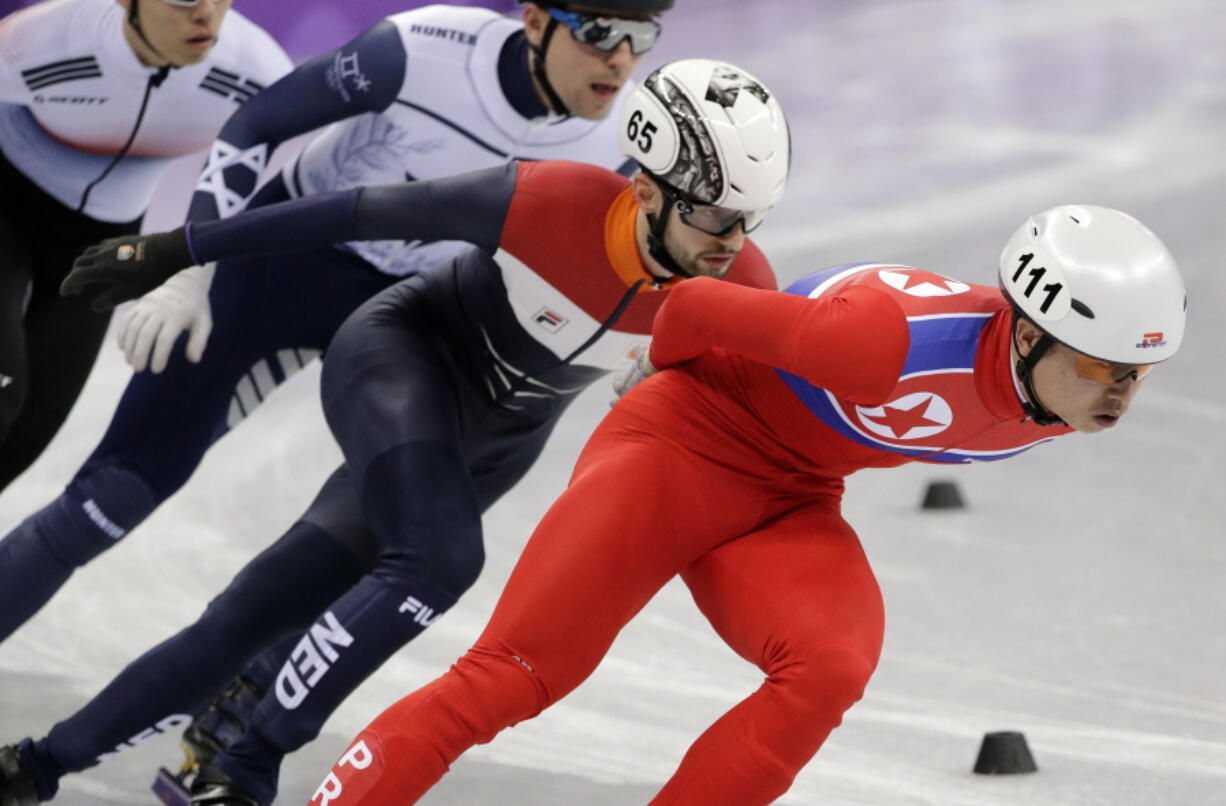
[[1109, 373]]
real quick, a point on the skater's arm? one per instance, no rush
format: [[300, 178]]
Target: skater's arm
[[363, 76], [470, 207], [853, 343]]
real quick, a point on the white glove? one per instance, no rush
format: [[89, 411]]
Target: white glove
[[636, 373], [158, 318]]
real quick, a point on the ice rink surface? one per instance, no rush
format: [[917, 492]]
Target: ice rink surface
[[1081, 596]]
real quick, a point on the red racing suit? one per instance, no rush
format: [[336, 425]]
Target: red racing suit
[[728, 470]]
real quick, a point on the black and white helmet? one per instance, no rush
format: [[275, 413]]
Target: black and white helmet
[[711, 131]]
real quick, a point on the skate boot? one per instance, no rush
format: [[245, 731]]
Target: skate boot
[[212, 787], [212, 730], [16, 786]]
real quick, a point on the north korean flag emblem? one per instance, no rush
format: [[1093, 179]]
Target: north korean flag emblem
[[914, 416], [919, 283]]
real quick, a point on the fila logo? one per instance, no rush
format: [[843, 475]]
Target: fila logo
[[310, 661], [167, 725], [1152, 340], [549, 320], [423, 615], [359, 757]]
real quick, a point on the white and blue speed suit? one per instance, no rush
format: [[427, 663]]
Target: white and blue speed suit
[[86, 134], [423, 94]]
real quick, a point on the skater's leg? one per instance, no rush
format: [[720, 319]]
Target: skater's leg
[[638, 510], [336, 513], [400, 433], [277, 593], [798, 599]]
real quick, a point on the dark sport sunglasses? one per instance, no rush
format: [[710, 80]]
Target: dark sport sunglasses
[[607, 33], [708, 218]]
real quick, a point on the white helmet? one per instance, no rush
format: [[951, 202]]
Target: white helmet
[[711, 131], [1098, 281]]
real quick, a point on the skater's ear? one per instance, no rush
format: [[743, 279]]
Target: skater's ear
[[535, 20], [647, 193], [1025, 335]]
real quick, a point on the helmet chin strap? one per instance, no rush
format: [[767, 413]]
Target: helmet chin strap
[[655, 242], [538, 68], [659, 223], [1024, 367]]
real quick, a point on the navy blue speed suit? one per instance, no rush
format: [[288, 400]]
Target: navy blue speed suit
[[441, 391]]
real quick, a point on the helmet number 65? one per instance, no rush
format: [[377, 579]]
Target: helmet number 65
[[641, 132], [1036, 274]]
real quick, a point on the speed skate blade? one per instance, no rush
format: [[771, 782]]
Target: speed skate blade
[[170, 789]]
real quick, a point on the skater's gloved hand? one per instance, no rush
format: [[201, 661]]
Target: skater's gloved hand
[[154, 325], [636, 373], [120, 269]]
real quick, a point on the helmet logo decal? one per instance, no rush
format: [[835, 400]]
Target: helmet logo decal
[[726, 85], [914, 416], [1152, 340], [1039, 289], [696, 170], [918, 283]]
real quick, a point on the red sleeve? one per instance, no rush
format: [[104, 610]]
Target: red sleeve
[[853, 343]]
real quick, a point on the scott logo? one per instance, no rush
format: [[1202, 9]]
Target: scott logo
[[359, 757], [75, 100], [1152, 340]]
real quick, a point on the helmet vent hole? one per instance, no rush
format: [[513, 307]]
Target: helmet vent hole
[[1074, 219], [734, 187], [1083, 309], [1034, 232]]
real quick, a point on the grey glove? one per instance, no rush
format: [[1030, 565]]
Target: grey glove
[[636, 373]]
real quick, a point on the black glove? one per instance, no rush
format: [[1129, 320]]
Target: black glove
[[127, 267]]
